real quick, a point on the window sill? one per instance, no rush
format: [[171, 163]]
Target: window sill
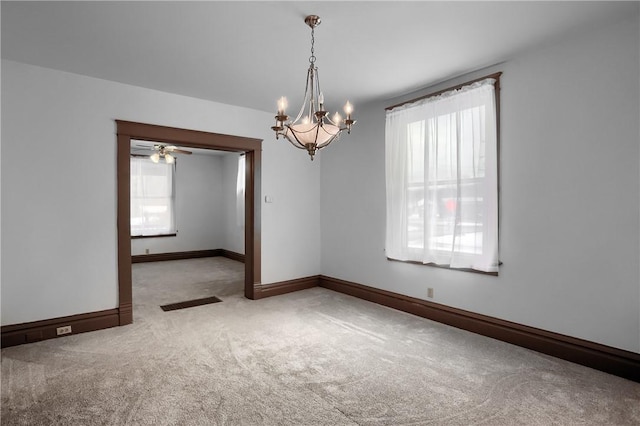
[[435, 265], [135, 237]]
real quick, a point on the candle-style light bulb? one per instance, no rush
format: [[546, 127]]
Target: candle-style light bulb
[[348, 109], [337, 119], [321, 100], [306, 120], [282, 105]]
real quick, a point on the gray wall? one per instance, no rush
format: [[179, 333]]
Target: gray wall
[[569, 195], [203, 193], [570, 224], [59, 188]]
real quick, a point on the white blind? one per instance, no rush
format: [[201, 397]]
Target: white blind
[[152, 197]]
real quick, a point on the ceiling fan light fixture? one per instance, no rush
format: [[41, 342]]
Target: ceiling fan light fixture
[[162, 151], [312, 129]]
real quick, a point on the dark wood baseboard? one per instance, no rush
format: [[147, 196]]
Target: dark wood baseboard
[[161, 257], [180, 255], [18, 334], [283, 287], [600, 357], [232, 255]]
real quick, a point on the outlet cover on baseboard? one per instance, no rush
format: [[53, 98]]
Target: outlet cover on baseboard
[[63, 330]]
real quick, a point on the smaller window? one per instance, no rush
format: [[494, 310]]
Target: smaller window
[[240, 190], [152, 198]]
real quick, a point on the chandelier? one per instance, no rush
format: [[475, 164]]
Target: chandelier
[[312, 129]]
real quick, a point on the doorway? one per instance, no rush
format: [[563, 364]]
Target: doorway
[[126, 131]]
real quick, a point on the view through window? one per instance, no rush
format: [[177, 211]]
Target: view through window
[[441, 159], [152, 197]]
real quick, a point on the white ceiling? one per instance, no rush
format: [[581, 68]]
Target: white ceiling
[[251, 53]]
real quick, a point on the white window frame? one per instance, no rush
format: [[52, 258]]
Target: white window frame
[[152, 203]]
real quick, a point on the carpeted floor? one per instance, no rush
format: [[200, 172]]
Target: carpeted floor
[[313, 357]]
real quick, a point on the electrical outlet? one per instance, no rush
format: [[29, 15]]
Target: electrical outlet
[[63, 330], [430, 293], [146, 251]]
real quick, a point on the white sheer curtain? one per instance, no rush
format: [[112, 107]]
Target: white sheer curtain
[[442, 179], [152, 197], [240, 188]]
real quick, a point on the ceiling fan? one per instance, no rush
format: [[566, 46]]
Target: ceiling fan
[[163, 151]]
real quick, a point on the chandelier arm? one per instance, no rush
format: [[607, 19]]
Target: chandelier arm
[[340, 127], [304, 131], [317, 128], [313, 95], [333, 138], [306, 94], [297, 143], [318, 86]]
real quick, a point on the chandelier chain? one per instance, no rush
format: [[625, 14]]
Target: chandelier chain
[[312, 58]]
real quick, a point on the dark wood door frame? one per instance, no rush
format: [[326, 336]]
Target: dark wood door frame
[[126, 131]]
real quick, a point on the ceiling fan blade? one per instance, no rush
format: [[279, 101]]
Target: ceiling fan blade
[[181, 151]]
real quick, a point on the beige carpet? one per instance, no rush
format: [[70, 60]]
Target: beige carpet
[[313, 357]]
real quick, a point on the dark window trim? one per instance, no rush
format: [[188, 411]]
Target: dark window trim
[[435, 265], [135, 237], [495, 76]]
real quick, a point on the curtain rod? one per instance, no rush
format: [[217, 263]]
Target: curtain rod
[[495, 76]]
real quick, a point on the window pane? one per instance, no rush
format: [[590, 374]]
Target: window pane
[[152, 197], [441, 190]]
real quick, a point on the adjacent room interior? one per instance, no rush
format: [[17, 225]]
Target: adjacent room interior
[[186, 203]]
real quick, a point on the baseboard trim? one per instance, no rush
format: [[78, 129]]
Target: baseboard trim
[[600, 357], [18, 334], [594, 355], [232, 255], [267, 290], [180, 255]]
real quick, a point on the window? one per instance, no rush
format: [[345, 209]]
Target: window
[[442, 179], [152, 197], [240, 190]]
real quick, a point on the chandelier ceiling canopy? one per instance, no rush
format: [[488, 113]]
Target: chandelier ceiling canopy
[[312, 129]]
